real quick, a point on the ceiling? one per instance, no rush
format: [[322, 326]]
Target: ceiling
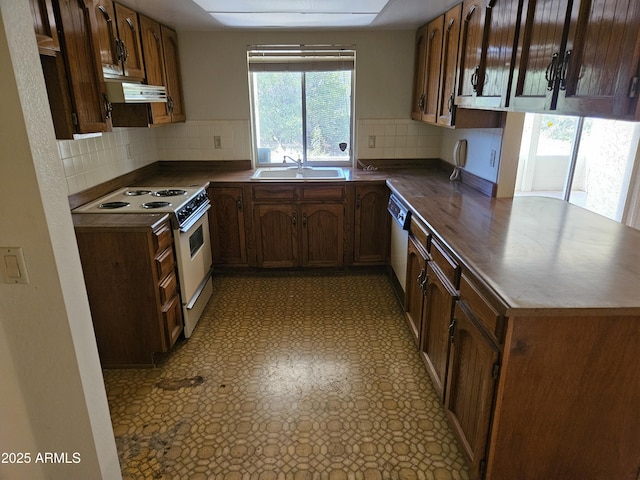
[[395, 15]]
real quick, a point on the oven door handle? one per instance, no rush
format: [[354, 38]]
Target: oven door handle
[[195, 216]]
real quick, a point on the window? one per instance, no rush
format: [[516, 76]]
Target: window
[[302, 104], [585, 161]]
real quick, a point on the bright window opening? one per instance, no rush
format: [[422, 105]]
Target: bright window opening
[[302, 106], [585, 161]]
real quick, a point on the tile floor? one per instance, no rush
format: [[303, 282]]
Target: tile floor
[[287, 376]]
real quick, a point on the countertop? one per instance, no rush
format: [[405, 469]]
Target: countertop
[[537, 255]]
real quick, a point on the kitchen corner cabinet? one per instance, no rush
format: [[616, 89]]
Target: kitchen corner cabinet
[[299, 226], [579, 58], [73, 77], [371, 225], [130, 274], [118, 31], [434, 102], [227, 224]]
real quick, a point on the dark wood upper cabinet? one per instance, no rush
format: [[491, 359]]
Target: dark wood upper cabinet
[[118, 31], [489, 29], [172, 67], [87, 109], [417, 100], [450, 43], [579, 58], [44, 23], [153, 52]]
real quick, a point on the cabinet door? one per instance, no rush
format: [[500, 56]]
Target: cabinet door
[[433, 52], [601, 59], [276, 229], [322, 235], [539, 48], [44, 24], [417, 101], [106, 30], [129, 34], [416, 279], [371, 224], [153, 53], [92, 111], [172, 67], [439, 302], [470, 51], [227, 226], [500, 21], [470, 389], [449, 63]]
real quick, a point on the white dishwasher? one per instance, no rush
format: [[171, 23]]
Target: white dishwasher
[[399, 238]]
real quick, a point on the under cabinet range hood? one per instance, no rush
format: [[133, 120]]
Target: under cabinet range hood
[[126, 92]]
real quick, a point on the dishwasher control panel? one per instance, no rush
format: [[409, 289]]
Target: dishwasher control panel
[[399, 212]]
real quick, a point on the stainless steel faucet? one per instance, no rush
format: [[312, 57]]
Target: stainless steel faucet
[[297, 162]]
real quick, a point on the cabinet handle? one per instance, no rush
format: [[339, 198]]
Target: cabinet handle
[[452, 330], [108, 108], [294, 219], [563, 70], [423, 285], [550, 73], [421, 103], [474, 78], [125, 52], [450, 103], [169, 104], [239, 204], [421, 275], [304, 220], [358, 201]]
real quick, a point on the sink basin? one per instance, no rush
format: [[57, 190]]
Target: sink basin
[[294, 174]]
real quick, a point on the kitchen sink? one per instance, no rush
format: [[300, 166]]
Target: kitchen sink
[[298, 174]]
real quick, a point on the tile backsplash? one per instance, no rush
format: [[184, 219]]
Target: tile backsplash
[[96, 159]]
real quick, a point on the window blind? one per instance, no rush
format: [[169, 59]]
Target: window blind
[[300, 58]]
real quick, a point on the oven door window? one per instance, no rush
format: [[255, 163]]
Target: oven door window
[[196, 240]]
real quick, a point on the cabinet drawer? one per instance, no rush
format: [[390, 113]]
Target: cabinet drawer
[[172, 316], [448, 265], [329, 192], [483, 310], [165, 262], [420, 234], [274, 192], [168, 287], [162, 237]]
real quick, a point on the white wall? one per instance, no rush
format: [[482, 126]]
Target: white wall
[[480, 143], [52, 397]]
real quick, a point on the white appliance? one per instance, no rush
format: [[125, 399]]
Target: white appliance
[[399, 238], [190, 225]]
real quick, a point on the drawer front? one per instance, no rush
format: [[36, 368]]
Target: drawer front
[[165, 262], [487, 314], [274, 192], [448, 265], [328, 192], [420, 234], [168, 287], [162, 237], [172, 316]]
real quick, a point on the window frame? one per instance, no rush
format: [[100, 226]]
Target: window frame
[[302, 59]]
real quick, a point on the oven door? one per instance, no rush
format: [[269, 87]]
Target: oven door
[[193, 249]]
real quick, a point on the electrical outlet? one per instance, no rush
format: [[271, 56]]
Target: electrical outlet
[[372, 141], [492, 160], [129, 151], [217, 141]]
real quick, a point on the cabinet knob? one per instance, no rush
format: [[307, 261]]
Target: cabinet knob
[[358, 201], [239, 203], [304, 220], [294, 219]]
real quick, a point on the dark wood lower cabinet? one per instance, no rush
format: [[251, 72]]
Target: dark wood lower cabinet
[[276, 228], [227, 225], [440, 298], [322, 227], [472, 374], [130, 273], [371, 225], [416, 278]]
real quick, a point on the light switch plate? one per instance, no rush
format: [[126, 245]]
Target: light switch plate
[[12, 266]]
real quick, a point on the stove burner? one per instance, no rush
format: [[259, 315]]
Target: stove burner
[[169, 193], [135, 193], [156, 204], [112, 205]]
